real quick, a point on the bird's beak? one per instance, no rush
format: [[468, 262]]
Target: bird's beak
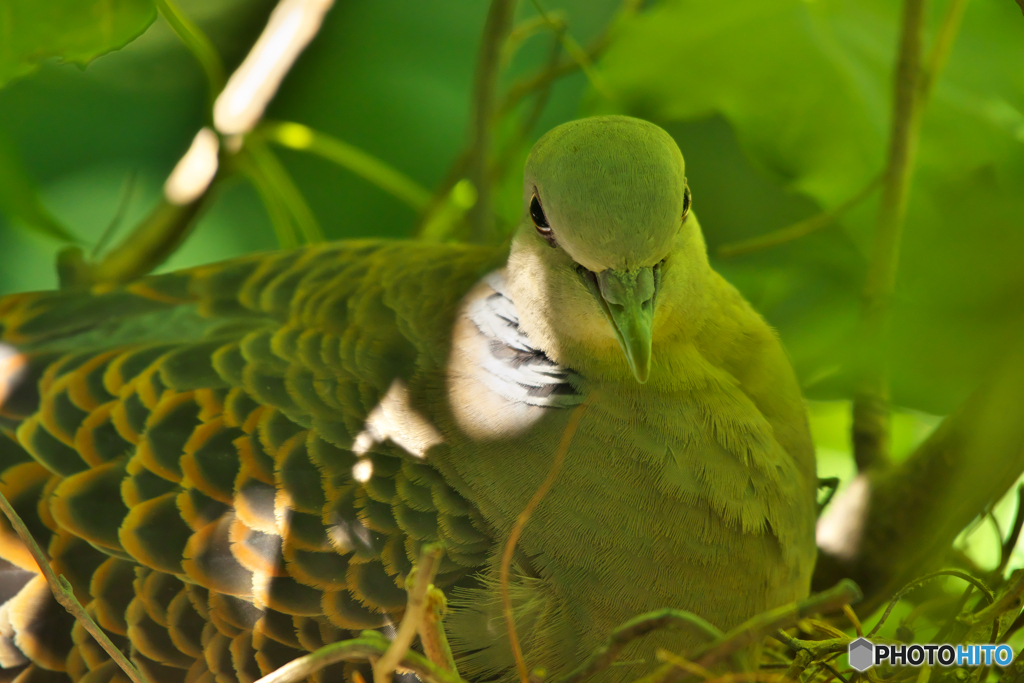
[[627, 297]]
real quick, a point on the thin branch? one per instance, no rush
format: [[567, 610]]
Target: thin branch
[[1008, 545], [924, 579], [758, 627], [1009, 598], [421, 576], [799, 229], [577, 53], [485, 85], [127, 189], [522, 88], [524, 517], [65, 594], [635, 628], [871, 420], [432, 635], [305, 139], [198, 44], [369, 645], [280, 182], [150, 243], [854, 620], [541, 80], [911, 513], [943, 45], [528, 28]]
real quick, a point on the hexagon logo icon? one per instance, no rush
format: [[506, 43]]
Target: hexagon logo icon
[[862, 654]]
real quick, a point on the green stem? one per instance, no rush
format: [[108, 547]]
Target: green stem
[[280, 183], [369, 645], [800, 228], [871, 420], [150, 243], [65, 594], [485, 84], [305, 139], [577, 53], [198, 44]]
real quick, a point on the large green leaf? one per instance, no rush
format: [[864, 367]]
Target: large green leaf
[[807, 88], [76, 31]]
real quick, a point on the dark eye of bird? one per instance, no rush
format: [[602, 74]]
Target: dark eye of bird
[[686, 203], [539, 219]]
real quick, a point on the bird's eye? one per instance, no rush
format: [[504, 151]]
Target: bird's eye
[[686, 203], [539, 219]]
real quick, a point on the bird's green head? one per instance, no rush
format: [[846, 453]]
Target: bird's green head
[[605, 202]]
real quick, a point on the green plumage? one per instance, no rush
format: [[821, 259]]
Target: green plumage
[[261, 447]]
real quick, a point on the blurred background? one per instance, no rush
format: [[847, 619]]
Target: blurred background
[[781, 109]]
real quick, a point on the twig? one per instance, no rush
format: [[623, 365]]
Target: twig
[[1008, 545], [635, 628], [800, 663], [756, 628], [816, 648], [432, 636], [924, 579], [731, 677], [527, 122], [513, 96], [421, 576], [369, 645], [528, 28], [999, 605], [302, 138], [524, 517], [115, 222], [852, 616], [150, 243], [198, 44], [485, 84], [834, 672], [943, 45], [578, 54], [65, 594], [800, 228], [266, 163], [871, 420], [544, 77]]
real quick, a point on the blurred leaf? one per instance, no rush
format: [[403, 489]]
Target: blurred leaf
[[18, 198], [76, 31], [807, 88]]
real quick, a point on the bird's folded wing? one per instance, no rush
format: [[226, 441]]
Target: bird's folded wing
[[197, 452]]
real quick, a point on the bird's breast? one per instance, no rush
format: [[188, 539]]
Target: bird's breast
[[681, 500]]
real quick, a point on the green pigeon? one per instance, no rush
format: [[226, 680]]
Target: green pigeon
[[238, 463]]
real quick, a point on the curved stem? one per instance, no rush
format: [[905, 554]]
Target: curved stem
[[800, 228], [198, 44], [302, 138], [524, 517], [485, 86], [65, 594], [871, 398]]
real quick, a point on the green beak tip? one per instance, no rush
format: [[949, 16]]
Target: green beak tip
[[626, 298]]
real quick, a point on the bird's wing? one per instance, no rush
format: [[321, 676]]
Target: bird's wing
[[226, 462]]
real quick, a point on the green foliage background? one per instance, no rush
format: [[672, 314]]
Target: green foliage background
[[781, 108]]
